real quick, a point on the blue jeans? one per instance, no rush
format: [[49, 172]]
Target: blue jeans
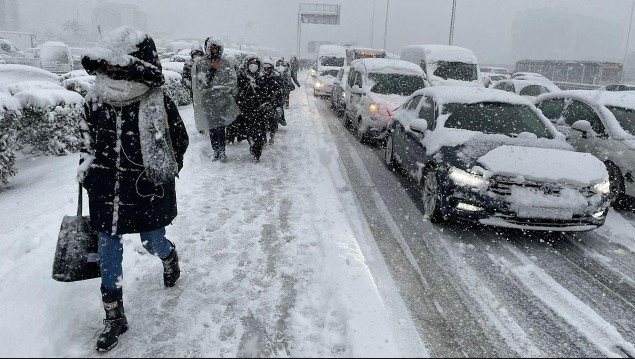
[[111, 255]]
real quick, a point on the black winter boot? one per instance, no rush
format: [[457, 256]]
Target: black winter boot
[[171, 270], [115, 322]]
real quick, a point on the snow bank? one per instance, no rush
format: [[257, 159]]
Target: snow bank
[[176, 89], [33, 85], [545, 165]]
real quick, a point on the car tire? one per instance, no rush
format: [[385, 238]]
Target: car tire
[[359, 135], [389, 155], [431, 195], [618, 197]]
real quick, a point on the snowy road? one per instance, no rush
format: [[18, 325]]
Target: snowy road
[[477, 291], [319, 250]]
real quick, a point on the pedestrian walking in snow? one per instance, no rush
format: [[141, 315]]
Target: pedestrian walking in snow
[[271, 85], [282, 67], [196, 52], [133, 142], [250, 101], [294, 65], [214, 85]]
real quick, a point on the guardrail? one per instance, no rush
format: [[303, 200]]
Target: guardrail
[[576, 86]]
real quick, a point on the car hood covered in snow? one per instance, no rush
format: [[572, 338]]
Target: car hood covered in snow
[[542, 165], [389, 101]]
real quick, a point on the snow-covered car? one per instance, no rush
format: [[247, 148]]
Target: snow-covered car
[[56, 57], [490, 79], [375, 88], [18, 87], [11, 74], [601, 123], [490, 156], [338, 96], [530, 89], [173, 66], [8, 48], [330, 57], [181, 56], [323, 85], [620, 87], [526, 74], [445, 65], [495, 71]]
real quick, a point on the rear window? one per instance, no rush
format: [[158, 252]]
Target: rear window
[[496, 118], [456, 71], [533, 90], [395, 84], [332, 61], [552, 109], [330, 73]]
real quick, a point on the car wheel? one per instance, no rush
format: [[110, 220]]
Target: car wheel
[[618, 198], [389, 156], [359, 134], [431, 196]]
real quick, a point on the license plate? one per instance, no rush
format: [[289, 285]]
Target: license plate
[[545, 213]]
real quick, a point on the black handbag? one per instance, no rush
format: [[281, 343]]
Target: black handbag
[[76, 255]]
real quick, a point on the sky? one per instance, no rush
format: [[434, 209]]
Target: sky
[[485, 26]]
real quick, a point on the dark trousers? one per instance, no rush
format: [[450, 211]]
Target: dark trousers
[[217, 137]]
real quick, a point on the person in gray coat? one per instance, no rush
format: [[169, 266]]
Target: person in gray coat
[[214, 85]]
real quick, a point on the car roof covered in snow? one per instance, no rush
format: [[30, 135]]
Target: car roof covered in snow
[[388, 66], [332, 50], [435, 53], [469, 95], [520, 84], [595, 97], [10, 74]]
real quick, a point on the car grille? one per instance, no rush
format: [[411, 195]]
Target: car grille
[[503, 186]]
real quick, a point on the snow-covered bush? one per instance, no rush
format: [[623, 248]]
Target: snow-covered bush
[[9, 117], [173, 66], [32, 85], [50, 121], [175, 88], [73, 74]]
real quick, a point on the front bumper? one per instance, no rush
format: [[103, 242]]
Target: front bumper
[[497, 210], [324, 90]]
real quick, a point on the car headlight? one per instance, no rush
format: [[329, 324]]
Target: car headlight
[[603, 187], [373, 108], [466, 179], [319, 85]]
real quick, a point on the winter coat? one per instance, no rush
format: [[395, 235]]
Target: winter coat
[[273, 97], [122, 198], [250, 99], [213, 92], [187, 73]]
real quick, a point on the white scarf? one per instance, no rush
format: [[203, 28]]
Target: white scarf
[[118, 90]]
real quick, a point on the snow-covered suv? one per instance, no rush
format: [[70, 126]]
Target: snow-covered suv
[[603, 124], [374, 89], [490, 156]]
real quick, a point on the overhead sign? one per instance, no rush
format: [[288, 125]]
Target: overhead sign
[[320, 14]]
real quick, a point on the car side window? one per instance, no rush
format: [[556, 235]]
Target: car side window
[[552, 109], [427, 112], [351, 78], [340, 75], [578, 111], [533, 90], [358, 79], [414, 103]]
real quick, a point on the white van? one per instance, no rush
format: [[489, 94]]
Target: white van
[[330, 57], [56, 57], [444, 64]]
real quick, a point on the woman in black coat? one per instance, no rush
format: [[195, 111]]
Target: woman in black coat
[[272, 98], [132, 149], [249, 101]]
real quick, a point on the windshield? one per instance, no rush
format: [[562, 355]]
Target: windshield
[[496, 118], [54, 54], [626, 118], [456, 71], [395, 84], [332, 61], [330, 73]]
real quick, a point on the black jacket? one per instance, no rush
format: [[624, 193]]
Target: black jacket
[[116, 179]]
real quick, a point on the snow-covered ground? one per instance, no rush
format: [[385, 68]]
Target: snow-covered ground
[[275, 261]]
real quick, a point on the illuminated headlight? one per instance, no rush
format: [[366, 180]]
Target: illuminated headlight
[[466, 179], [373, 108], [343, 94], [319, 85], [598, 215], [603, 187], [468, 207]]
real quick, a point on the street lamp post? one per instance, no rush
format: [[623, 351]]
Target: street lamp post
[[372, 25], [628, 37], [386, 24], [451, 42]]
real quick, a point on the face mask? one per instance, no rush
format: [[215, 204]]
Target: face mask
[[253, 68]]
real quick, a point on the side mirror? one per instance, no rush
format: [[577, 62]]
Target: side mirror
[[584, 127], [418, 125]]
